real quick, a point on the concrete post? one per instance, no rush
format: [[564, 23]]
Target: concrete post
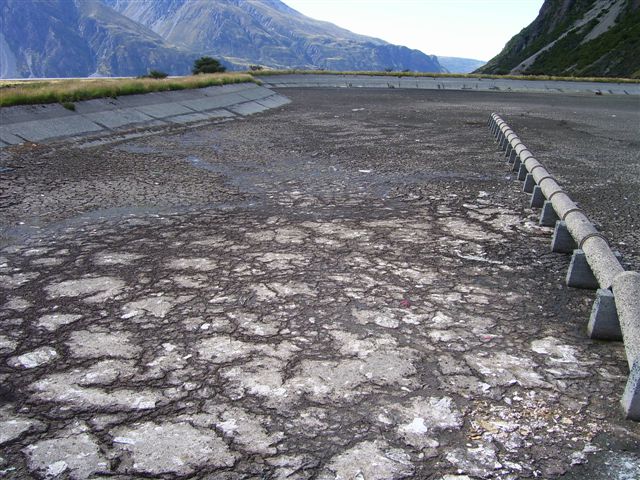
[[548, 216], [504, 140], [516, 165], [631, 396], [604, 264], [522, 172], [626, 288], [562, 241], [529, 183], [580, 274], [537, 199], [593, 263], [604, 323]]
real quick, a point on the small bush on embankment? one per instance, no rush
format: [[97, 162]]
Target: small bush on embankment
[[33, 92]]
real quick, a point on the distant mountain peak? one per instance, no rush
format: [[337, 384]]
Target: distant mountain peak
[[128, 37], [270, 33]]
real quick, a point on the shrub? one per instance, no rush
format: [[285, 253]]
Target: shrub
[[157, 74], [256, 68], [207, 65]]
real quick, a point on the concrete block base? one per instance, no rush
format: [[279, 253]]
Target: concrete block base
[[508, 151], [537, 199], [580, 274], [516, 165], [562, 241], [604, 323], [522, 172], [631, 397], [548, 216], [512, 156], [529, 184]]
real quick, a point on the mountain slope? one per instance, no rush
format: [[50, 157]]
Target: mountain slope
[[578, 38], [269, 33], [68, 38], [459, 65]]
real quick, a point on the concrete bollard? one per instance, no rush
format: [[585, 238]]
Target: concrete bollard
[[529, 183], [562, 241], [626, 289], [537, 199], [515, 141], [505, 138], [616, 311], [604, 264], [631, 396], [548, 216], [511, 138], [516, 165], [522, 172], [603, 322], [579, 274]]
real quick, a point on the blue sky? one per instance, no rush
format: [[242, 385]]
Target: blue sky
[[457, 28]]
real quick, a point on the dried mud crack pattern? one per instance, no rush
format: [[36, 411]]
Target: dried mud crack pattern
[[299, 347], [340, 323]]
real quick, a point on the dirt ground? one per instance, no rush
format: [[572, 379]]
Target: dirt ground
[[349, 287]]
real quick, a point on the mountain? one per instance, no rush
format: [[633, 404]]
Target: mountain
[[78, 38], [269, 33], [576, 38], [459, 65]]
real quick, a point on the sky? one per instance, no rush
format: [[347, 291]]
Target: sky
[[476, 29]]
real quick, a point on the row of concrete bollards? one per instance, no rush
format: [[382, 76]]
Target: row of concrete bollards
[[616, 311]]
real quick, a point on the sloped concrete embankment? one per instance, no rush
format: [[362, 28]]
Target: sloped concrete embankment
[[449, 83], [40, 123], [616, 311]]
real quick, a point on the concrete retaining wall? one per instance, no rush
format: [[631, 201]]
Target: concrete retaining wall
[[444, 83], [39, 123], [616, 311]]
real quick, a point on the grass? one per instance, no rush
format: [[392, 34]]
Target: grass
[[479, 76], [65, 92]]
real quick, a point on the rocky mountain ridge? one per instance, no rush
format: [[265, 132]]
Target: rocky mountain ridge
[[576, 38], [60, 38], [77, 38], [268, 32]]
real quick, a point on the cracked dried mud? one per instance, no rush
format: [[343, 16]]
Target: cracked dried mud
[[351, 287]]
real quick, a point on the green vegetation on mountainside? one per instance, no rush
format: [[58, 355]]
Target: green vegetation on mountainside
[[614, 53], [550, 24]]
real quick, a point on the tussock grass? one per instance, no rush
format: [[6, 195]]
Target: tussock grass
[[478, 76], [32, 92]]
